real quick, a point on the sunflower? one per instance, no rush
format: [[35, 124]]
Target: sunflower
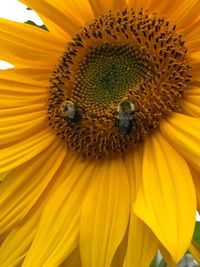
[[100, 133]]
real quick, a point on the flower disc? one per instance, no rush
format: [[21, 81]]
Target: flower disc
[[117, 78]]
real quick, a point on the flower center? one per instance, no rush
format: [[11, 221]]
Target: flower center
[[117, 78], [106, 74]]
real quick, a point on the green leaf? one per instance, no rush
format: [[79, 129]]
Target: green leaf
[[196, 235], [162, 263], [158, 262], [34, 24], [154, 262]]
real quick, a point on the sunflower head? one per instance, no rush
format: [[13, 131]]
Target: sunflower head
[[122, 86], [120, 55]]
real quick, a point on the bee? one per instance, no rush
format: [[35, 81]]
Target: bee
[[71, 111], [125, 117]]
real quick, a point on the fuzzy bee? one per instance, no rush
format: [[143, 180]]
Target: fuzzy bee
[[71, 111], [125, 117]]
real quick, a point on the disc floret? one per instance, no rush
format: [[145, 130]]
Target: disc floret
[[119, 58]]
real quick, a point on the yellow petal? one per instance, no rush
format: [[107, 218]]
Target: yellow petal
[[99, 7], [17, 90], [57, 233], [194, 56], [73, 260], [14, 100], [22, 62], [138, 4], [28, 42], [28, 35], [194, 61], [190, 109], [105, 214], [18, 241], [142, 244], [133, 164], [17, 131], [21, 152], [195, 250], [12, 82], [23, 110], [3, 175], [161, 201], [15, 120], [119, 256], [184, 9], [196, 179], [183, 132], [192, 34], [167, 257], [186, 13], [18, 196], [192, 90], [61, 18], [195, 99], [37, 74]]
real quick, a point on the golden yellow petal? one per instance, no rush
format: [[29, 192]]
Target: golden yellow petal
[[25, 150], [190, 109], [13, 82], [133, 164], [192, 34], [60, 17], [37, 74], [73, 260], [196, 179], [18, 241], [14, 100], [15, 120], [118, 259], [142, 244], [105, 214], [187, 12], [28, 42], [17, 91], [18, 196], [16, 132], [57, 234], [31, 36], [183, 132], [167, 257], [15, 128], [161, 200], [192, 90], [138, 4], [3, 176], [23, 110], [99, 7], [194, 61], [38, 61], [194, 99]]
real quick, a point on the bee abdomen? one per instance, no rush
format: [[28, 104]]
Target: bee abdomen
[[77, 116], [125, 127]]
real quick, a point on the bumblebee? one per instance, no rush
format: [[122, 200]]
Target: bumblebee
[[71, 111], [125, 117]]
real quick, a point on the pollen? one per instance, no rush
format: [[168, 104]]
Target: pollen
[[115, 81]]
